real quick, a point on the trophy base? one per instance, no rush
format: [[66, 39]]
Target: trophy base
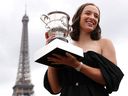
[[63, 39], [59, 47]]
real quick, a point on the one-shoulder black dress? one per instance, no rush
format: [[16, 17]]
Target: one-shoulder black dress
[[75, 83]]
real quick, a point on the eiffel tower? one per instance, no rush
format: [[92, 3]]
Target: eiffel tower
[[23, 85]]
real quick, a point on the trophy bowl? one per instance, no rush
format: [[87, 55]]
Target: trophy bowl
[[57, 23]]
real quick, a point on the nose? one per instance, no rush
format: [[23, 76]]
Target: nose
[[92, 16]]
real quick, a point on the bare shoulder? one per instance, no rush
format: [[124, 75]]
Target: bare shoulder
[[108, 49], [104, 41]]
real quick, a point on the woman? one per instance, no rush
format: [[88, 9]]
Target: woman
[[97, 74]]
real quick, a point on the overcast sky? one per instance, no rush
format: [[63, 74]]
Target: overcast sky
[[114, 23]]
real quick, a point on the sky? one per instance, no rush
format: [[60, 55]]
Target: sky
[[114, 18]]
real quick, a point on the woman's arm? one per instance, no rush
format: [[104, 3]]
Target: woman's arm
[[108, 50], [53, 79], [52, 72], [69, 60], [95, 74]]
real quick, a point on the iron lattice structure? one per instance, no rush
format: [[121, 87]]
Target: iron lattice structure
[[23, 86]]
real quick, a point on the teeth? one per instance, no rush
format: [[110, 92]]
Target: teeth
[[90, 23]]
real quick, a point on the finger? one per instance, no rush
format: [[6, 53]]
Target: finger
[[51, 59], [69, 55], [54, 63], [50, 38], [46, 35], [57, 56]]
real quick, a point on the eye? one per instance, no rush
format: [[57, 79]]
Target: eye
[[87, 12], [96, 15]]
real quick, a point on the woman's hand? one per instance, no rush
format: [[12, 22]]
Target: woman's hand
[[68, 60], [49, 38]]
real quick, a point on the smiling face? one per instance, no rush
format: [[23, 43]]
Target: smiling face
[[89, 18]]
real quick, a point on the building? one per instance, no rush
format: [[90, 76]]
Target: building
[[23, 85]]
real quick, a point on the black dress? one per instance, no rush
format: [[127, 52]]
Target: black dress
[[75, 83]]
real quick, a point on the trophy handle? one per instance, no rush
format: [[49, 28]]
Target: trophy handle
[[45, 19], [63, 20], [70, 28]]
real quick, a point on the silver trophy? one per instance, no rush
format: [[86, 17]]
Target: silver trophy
[[57, 22]]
